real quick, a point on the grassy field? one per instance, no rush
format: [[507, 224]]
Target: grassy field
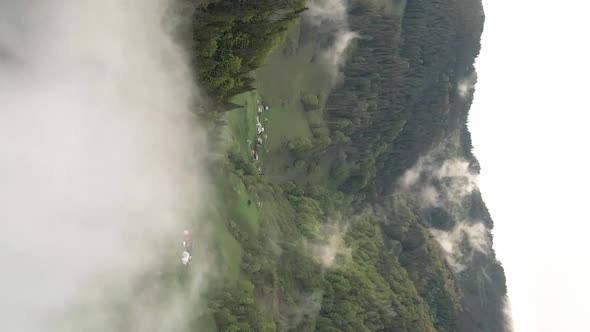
[[292, 72], [232, 208], [240, 206], [227, 247], [241, 122], [239, 201]]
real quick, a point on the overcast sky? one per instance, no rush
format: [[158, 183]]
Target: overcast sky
[[530, 132]]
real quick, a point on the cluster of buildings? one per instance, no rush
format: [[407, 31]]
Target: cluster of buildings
[[260, 134]]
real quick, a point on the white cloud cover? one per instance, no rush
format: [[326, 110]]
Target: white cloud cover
[[100, 159], [529, 127]]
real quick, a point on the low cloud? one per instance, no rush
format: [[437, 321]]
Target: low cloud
[[459, 180], [462, 242], [445, 185], [101, 166], [331, 16], [336, 54], [327, 11], [466, 86], [437, 184], [329, 248]]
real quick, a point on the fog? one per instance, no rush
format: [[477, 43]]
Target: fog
[[476, 235], [329, 249], [100, 159], [330, 17], [445, 185], [439, 184]]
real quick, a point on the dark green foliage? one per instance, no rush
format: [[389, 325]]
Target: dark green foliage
[[398, 98], [340, 138], [232, 38], [236, 310], [340, 172], [300, 145], [373, 292], [310, 102]]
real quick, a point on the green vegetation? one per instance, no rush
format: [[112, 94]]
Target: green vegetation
[[315, 235], [384, 7], [310, 102], [233, 38], [243, 132]]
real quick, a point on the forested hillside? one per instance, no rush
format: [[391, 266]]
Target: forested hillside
[[357, 207]]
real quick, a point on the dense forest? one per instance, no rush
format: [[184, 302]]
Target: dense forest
[[367, 217]]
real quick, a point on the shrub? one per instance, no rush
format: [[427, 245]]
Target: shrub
[[310, 102]]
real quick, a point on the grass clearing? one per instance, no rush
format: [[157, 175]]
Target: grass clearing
[[284, 124], [233, 208], [228, 248], [240, 206], [276, 214], [241, 122], [241, 130], [293, 71]]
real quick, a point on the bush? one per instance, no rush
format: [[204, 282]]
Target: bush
[[312, 166], [310, 102], [299, 165], [300, 144], [322, 141], [338, 137], [340, 172]]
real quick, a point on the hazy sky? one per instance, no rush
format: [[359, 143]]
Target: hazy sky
[[530, 131]]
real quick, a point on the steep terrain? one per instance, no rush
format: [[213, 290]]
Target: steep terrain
[[357, 207]]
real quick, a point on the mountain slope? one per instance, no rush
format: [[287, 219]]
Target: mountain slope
[[361, 212]]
